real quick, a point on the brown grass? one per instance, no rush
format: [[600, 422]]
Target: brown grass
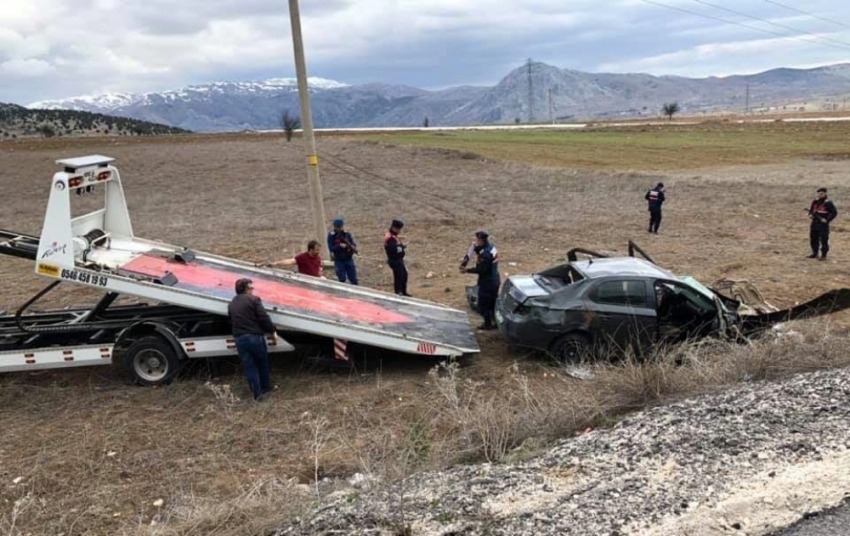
[[96, 457], [225, 466]]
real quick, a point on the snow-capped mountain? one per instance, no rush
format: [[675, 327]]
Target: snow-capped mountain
[[111, 102], [233, 106]]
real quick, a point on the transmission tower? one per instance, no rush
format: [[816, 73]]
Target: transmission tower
[[530, 93]]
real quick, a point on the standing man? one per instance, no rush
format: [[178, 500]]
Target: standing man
[[250, 323], [487, 269], [342, 248], [822, 211], [655, 199], [395, 246], [308, 263]]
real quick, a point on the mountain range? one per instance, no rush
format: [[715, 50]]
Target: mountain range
[[19, 122], [535, 92]]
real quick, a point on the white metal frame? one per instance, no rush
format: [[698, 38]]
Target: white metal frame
[[101, 354], [60, 257]]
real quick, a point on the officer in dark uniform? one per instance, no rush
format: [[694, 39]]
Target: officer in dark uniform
[[342, 247], [822, 211], [395, 246], [655, 198], [487, 268]]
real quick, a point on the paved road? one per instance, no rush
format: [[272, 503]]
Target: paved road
[[833, 523]]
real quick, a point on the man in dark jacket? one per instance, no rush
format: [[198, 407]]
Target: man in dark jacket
[[655, 198], [822, 211], [342, 248], [395, 247], [250, 323], [487, 268]]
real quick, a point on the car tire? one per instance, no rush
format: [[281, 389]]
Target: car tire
[[152, 361], [570, 349]]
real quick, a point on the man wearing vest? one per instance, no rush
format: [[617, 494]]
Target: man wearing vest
[[342, 248], [487, 269], [822, 211], [655, 198], [394, 247]]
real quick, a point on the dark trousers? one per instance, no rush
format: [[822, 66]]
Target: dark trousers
[[654, 220], [346, 270], [255, 361], [819, 238], [399, 275], [487, 305]]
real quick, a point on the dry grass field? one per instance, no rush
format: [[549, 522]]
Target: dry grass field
[[83, 453]]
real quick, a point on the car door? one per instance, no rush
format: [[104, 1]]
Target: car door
[[623, 314], [684, 312]]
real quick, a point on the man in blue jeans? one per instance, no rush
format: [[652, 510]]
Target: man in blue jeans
[[250, 323], [342, 248]]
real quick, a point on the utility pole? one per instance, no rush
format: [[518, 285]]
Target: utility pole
[[747, 105], [316, 197], [530, 94]]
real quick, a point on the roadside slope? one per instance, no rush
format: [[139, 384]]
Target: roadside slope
[[748, 461]]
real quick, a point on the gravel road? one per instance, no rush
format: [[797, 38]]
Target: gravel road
[[834, 522], [752, 460]]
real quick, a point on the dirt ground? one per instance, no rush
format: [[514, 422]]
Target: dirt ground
[[93, 455]]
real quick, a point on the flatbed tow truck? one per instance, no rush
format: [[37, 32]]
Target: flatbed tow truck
[[189, 292]]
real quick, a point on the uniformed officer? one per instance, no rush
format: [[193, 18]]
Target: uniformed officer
[[395, 248], [655, 198], [822, 211], [342, 248], [487, 268]]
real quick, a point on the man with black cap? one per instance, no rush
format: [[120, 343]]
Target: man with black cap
[[487, 268], [342, 248], [822, 211], [395, 246], [250, 323], [655, 198]]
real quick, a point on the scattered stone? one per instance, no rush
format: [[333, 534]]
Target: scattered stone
[[650, 469]]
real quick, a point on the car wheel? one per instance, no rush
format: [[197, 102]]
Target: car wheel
[[571, 349]]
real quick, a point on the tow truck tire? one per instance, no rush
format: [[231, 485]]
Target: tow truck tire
[[152, 361], [571, 349]]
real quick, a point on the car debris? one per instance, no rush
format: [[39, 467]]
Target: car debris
[[603, 305]]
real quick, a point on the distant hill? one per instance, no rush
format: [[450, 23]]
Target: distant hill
[[523, 95], [19, 122]]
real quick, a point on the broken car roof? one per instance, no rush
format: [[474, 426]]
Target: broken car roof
[[621, 266]]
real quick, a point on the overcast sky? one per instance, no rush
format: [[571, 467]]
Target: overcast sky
[[62, 48]]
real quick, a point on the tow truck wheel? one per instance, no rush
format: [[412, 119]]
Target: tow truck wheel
[[152, 361], [570, 349]]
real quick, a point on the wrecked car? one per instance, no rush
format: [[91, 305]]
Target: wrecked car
[[602, 304]]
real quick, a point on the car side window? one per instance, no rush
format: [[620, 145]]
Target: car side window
[[626, 293]]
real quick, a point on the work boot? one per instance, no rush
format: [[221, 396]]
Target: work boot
[[822, 258], [813, 256]]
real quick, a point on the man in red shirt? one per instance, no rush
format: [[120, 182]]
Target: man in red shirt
[[308, 263]]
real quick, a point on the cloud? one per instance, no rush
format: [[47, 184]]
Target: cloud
[[24, 69], [48, 46]]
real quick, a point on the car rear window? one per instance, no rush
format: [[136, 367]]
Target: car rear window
[[630, 293]]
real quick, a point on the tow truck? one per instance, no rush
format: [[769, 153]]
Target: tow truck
[[184, 293]]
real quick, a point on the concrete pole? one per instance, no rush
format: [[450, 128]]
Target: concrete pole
[[316, 196]]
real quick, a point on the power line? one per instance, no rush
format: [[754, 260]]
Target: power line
[[800, 11], [736, 23], [734, 12]]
